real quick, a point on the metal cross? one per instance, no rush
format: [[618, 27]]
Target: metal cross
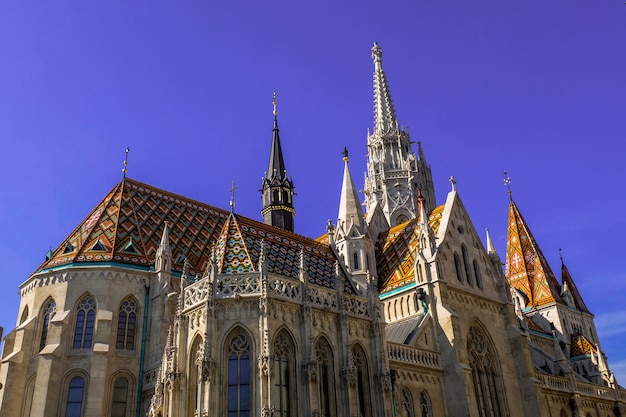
[[232, 197], [275, 102], [507, 183], [125, 169]]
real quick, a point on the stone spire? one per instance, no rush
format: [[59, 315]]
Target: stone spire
[[394, 172], [490, 248], [277, 189], [163, 257], [350, 211], [384, 112]]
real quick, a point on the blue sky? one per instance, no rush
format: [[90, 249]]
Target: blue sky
[[537, 88]]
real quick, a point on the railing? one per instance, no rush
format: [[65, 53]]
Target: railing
[[413, 356], [559, 383], [228, 285]]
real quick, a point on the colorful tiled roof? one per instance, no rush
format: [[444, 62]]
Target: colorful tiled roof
[[396, 252], [126, 227], [567, 279], [581, 346], [526, 268]]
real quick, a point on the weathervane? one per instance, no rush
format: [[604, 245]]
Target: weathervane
[[232, 197], [125, 169], [507, 184], [275, 102]]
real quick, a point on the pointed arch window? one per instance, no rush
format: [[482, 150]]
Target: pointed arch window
[[488, 387], [457, 266], [406, 404], [193, 402], [238, 394], [75, 397], [120, 397], [127, 324], [85, 321], [355, 260], [466, 264], [362, 380], [477, 275], [28, 396], [48, 313], [425, 408], [326, 379], [282, 379]]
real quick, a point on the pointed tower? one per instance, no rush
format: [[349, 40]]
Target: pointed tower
[[394, 172], [526, 268], [351, 238], [570, 287], [277, 189]]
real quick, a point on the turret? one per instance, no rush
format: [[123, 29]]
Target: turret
[[394, 172], [277, 190], [351, 237]]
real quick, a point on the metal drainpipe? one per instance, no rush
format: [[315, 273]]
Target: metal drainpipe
[[143, 350]]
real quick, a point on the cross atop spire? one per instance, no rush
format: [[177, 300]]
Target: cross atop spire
[[384, 112], [507, 184], [125, 169], [232, 189], [275, 102]]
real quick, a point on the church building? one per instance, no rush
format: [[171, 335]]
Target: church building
[[158, 305]]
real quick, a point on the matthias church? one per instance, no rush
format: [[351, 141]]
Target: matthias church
[[158, 305]]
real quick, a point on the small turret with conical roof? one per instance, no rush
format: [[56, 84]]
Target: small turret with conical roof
[[277, 188]]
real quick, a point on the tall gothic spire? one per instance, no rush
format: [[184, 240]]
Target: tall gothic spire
[[277, 189], [384, 113], [526, 268], [567, 280], [350, 211], [394, 171]]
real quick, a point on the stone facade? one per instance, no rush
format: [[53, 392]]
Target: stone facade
[[163, 306]]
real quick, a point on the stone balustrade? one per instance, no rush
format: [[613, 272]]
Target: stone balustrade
[[413, 356]]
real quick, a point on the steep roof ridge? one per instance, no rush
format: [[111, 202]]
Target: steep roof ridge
[[94, 225], [93, 217], [233, 255], [526, 265], [567, 279], [350, 210], [131, 204]]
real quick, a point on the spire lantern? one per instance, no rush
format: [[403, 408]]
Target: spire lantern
[[277, 190]]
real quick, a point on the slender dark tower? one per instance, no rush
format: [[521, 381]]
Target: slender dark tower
[[277, 189]]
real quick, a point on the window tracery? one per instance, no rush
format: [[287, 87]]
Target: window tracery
[[282, 375], [85, 320], [238, 394], [127, 324], [326, 382], [49, 312]]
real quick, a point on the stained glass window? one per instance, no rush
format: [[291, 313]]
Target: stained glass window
[[85, 320], [75, 395], [488, 386], [127, 324], [282, 375], [238, 377], [326, 378]]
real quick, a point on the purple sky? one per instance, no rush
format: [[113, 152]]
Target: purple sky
[[537, 88]]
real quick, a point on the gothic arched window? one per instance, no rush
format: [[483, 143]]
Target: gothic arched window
[[326, 378], [28, 396], [477, 275], [238, 376], [362, 380], [488, 387], [194, 377], [127, 324], [457, 266], [283, 390], [425, 408], [355, 260], [85, 321], [406, 404], [75, 397], [119, 398], [466, 264], [48, 313]]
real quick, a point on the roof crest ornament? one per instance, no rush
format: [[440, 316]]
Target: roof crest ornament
[[125, 169], [453, 182], [275, 103], [507, 184], [232, 197]]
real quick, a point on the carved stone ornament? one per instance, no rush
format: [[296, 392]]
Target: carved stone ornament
[[265, 364], [208, 369], [310, 370], [384, 379], [349, 374], [266, 411]]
